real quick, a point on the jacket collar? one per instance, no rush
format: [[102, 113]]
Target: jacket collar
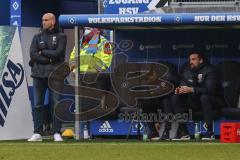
[[199, 67], [47, 31]]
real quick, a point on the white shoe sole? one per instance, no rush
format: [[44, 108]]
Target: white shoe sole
[[181, 139], [155, 139], [38, 140], [208, 139], [58, 140]]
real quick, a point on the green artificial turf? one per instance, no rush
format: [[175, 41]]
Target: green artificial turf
[[118, 150]]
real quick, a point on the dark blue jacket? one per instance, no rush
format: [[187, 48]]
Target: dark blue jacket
[[204, 79], [47, 51]]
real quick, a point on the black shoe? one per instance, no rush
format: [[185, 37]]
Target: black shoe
[[182, 135], [209, 134], [208, 137], [165, 135], [154, 136], [182, 138]]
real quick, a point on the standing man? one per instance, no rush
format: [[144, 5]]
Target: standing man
[[200, 88], [96, 52], [47, 51]]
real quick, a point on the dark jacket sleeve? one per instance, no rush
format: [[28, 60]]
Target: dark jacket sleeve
[[184, 76], [183, 82], [35, 57], [59, 52], [210, 85]]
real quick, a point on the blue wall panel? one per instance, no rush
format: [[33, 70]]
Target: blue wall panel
[[32, 11], [77, 7], [4, 12], [175, 45]]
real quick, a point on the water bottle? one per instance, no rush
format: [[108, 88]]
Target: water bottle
[[145, 134], [85, 132], [197, 131]]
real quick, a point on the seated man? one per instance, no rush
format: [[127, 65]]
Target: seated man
[[161, 105], [200, 87]]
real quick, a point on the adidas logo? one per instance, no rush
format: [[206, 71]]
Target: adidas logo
[[105, 127]]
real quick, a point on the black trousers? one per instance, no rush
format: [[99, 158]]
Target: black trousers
[[40, 88], [154, 106], [205, 103]]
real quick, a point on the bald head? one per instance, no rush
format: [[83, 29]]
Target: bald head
[[48, 21]]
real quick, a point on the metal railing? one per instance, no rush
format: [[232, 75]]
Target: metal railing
[[204, 2]]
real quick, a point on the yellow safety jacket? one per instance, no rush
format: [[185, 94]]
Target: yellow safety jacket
[[94, 62]]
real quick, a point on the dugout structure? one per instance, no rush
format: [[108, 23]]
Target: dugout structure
[[223, 19]]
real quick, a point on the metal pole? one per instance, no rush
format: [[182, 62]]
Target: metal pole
[[77, 81], [77, 61], [100, 6]]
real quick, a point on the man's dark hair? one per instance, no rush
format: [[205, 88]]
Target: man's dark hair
[[200, 56]]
